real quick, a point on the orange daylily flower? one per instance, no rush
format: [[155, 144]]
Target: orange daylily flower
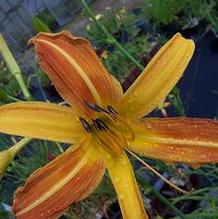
[[101, 123]]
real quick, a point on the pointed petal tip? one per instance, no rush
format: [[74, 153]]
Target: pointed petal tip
[[64, 33], [75, 69], [188, 41], [192, 45], [181, 37], [41, 34], [158, 78]]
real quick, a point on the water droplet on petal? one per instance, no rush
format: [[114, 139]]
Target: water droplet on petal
[[121, 197], [148, 125], [124, 162], [169, 125], [117, 180]]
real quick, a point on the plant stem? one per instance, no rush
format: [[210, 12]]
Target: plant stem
[[60, 148], [110, 37], [18, 146], [13, 67], [13, 98]]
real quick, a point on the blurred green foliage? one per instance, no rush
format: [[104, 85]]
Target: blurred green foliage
[[46, 17], [39, 25], [120, 24], [183, 13], [8, 84], [162, 11]]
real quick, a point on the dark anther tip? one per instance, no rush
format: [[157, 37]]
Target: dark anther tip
[[85, 124], [99, 124], [95, 107], [112, 110], [92, 106]]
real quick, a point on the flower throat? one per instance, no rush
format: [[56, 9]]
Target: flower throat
[[111, 130]]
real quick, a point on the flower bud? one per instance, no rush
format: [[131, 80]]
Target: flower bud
[[6, 157]]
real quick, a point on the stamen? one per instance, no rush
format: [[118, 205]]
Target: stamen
[[111, 141], [126, 129], [112, 110], [99, 124], [85, 124], [95, 107], [121, 124], [156, 173]]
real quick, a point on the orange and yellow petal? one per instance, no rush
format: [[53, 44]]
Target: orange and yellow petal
[[69, 178], [123, 179], [158, 78], [40, 120], [76, 71], [186, 140]]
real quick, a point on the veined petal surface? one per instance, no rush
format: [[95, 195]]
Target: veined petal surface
[[123, 179], [40, 120], [158, 78], [76, 71], [186, 140], [71, 177]]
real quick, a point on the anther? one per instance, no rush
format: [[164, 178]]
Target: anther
[[95, 107], [99, 124], [112, 110], [85, 124]]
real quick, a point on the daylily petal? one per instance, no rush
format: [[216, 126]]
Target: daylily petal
[[40, 120], [71, 177], [125, 184], [158, 78], [76, 71], [187, 140]]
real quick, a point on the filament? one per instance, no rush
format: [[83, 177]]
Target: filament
[[156, 173]]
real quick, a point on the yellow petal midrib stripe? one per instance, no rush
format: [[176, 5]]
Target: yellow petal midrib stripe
[[150, 65], [166, 140], [153, 88], [82, 74]]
